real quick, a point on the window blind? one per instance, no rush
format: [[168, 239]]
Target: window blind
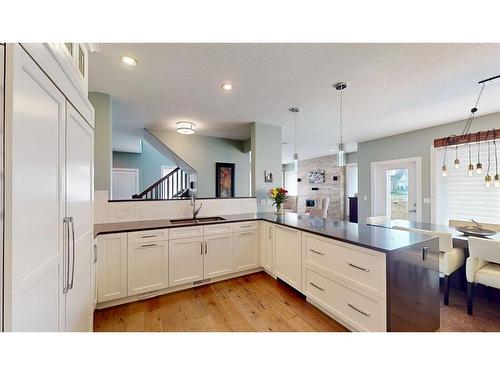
[[465, 197]]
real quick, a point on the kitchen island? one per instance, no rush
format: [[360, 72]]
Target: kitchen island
[[368, 278]]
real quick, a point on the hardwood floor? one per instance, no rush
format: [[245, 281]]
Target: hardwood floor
[[257, 302], [254, 302]]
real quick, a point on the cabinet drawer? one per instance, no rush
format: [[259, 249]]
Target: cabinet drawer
[[186, 232], [355, 309], [246, 226], [148, 236], [218, 229], [363, 268]]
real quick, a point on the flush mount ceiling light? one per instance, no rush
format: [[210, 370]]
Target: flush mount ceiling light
[[186, 127], [227, 86], [128, 60]]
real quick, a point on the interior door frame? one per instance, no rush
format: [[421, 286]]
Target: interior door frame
[[418, 181], [135, 170]]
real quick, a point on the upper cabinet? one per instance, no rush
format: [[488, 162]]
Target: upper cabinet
[[78, 55]]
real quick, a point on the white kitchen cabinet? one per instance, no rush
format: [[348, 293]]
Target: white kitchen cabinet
[[185, 260], [218, 255], [246, 250], [288, 255], [147, 267], [111, 267], [79, 193], [266, 246]]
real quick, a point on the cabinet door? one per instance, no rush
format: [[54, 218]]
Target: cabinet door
[[185, 260], [79, 190], [219, 255], [266, 246], [147, 267], [34, 299], [246, 250], [111, 267], [288, 255]]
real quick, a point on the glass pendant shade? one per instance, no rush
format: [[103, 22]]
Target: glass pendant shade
[[487, 181], [470, 169], [496, 181], [295, 161], [341, 156], [479, 168], [444, 170], [456, 163]]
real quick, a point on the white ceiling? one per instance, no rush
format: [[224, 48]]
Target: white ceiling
[[393, 88]]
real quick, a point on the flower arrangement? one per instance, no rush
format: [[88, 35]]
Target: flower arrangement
[[278, 196]]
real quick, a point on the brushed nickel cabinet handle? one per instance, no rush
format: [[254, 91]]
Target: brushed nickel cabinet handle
[[317, 287], [95, 254], [72, 222], [358, 310], [66, 255], [149, 236], [201, 248], [149, 245], [358, 267], [317, 252], [206, 247]]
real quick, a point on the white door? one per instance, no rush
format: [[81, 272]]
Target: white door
[[147, 267], [185, 261], [219, 255], [288, 255], [266, 246], [79, 190], [396, 189], [34, 281], [111, 267], [125, 183], [246, 246]]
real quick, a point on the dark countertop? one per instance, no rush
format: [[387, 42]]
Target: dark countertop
[[459, 239], [373, 237]]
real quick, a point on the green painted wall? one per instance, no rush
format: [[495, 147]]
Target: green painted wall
[[103, 158], [151, 163], [407, 145], [266, 156], [202, 153]]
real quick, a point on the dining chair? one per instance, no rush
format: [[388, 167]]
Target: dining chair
[[450, 258], [483, 266], [323, 211], [376, 219]]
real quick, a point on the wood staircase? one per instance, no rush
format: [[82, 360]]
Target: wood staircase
[[173, 185]]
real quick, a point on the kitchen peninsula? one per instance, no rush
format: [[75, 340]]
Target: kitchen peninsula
[[367, 278]]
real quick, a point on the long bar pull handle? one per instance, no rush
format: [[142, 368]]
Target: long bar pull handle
[[149, 245], [358, 310], [269, 232], [95, 254], [317, 252], [72, 222], [358, 267], [65, 255], [201, 248], [425, 249], [206, 247], [149, 236], [317, 287]]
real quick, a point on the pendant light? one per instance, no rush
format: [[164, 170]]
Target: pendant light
[[479, 166], [341, 156], [470, 168], [295, 110], [456, 163], [444, 170], [497, 177], [487, 178]]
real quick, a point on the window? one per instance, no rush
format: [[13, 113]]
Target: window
[[463, 197]]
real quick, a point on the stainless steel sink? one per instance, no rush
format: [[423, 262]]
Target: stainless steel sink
[[197, 220], [476, 231]]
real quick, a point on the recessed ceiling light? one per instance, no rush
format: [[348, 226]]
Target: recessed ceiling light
[[186, 127], [128, 60], [332, 150], [227, 86]]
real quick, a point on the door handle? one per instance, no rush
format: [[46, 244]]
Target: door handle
[[72, 222], [65, 254], [206, 246], [357, 309], [413, 210], [425, 250], [201, 248], [95, 254]]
